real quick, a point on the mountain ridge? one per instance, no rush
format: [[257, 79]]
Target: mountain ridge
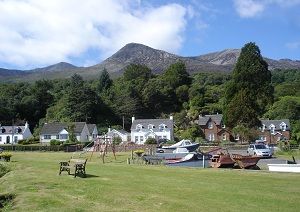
[[156, 60]]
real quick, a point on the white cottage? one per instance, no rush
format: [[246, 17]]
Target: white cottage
[[142, 129], [12, 134], [60, 131], [93, 131], [124, 135]]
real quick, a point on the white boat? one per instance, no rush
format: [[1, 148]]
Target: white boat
[[284, 168], [183, 144]]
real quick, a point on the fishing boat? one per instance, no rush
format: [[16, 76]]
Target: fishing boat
[[183, 144], [245, 162], [222, 160]]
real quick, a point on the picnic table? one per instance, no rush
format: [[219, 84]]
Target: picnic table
[[78, 165]]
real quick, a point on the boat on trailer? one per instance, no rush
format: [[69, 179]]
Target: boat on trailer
[[183, 144]]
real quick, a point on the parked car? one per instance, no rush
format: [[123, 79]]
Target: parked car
[[260, 150]]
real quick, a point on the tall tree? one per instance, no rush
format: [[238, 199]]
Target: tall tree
[[249, 93], [104, 81], [176, 75]]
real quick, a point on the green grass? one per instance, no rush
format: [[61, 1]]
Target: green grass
[[116, 186]]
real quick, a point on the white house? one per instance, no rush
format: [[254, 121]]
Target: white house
[[93, 131], [142, 129], [124, 135], [12, 134], [60, 131]]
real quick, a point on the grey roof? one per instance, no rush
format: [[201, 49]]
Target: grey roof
[[113, 131], [276, 123], [91, 127], [217, 118], [156, 122], [55, 128], [10, 129]]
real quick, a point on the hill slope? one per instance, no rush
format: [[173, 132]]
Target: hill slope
[[157, 60]]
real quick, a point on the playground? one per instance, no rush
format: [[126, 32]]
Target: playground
[[116, 186]]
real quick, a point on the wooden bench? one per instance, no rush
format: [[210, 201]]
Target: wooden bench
[[77, 164]]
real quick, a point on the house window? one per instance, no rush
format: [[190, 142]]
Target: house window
[[237, 137], [283, 127], [47, 136], [263, 138], [151, 126], [63, 136], [136, 139], [211, 137], [164, 137], [278, 138], [272, 129], [141, 138], [162, 127], [15, 139], [139, 127], [57, 136], [210, 125], [263, 128], [223, 125], [224, 137]]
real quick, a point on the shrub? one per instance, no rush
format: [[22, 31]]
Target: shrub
[[117, 140], [151, 141], [54, 142], [3, 169], [5, 156], [139, 152]]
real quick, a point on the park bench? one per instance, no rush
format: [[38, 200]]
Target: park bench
[[78, 165]]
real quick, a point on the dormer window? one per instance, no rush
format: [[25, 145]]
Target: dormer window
[[151, 126], [139, 127], [223, 125], [2, 130], [283, 126], [263, 128], [210, 125], [162, 126], [272, 129]]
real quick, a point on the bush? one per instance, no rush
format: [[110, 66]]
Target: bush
[[3, 169], [5, 156], [31, 140], [139, 152], [151, 141], [54, 142], [117, 140]]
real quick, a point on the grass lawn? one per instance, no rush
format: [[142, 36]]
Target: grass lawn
[[116, 186]]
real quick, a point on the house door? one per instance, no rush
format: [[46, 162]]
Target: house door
[[7, 139]]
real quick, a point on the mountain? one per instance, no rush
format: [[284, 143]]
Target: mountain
[[156, 60]]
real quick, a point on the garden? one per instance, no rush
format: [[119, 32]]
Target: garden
[[30, 181]]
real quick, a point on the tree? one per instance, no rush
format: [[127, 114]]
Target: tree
[[249, 93], [244, 133], [104, 81], [176, 75]]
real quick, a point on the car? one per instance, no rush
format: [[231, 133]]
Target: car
[[259, 150]]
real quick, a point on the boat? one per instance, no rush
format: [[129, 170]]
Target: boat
[[190, 160], [245, 162], [284, 168], [183, 144], [222, 160]]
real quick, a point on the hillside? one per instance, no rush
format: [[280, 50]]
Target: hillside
[[157, 60]]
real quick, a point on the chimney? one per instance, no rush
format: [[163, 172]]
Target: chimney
[[171, 117], [109, 129], [26, 125], [132, 119]]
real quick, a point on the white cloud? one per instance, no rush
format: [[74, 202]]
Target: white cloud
[[35, 32], [248, 8], [293, 45], [253, 8]]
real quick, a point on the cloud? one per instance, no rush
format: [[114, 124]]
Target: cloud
[[35, 33], [293, 45], [248, 8], [253, 8]]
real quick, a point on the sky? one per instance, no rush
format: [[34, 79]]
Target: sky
[[38, 33]]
